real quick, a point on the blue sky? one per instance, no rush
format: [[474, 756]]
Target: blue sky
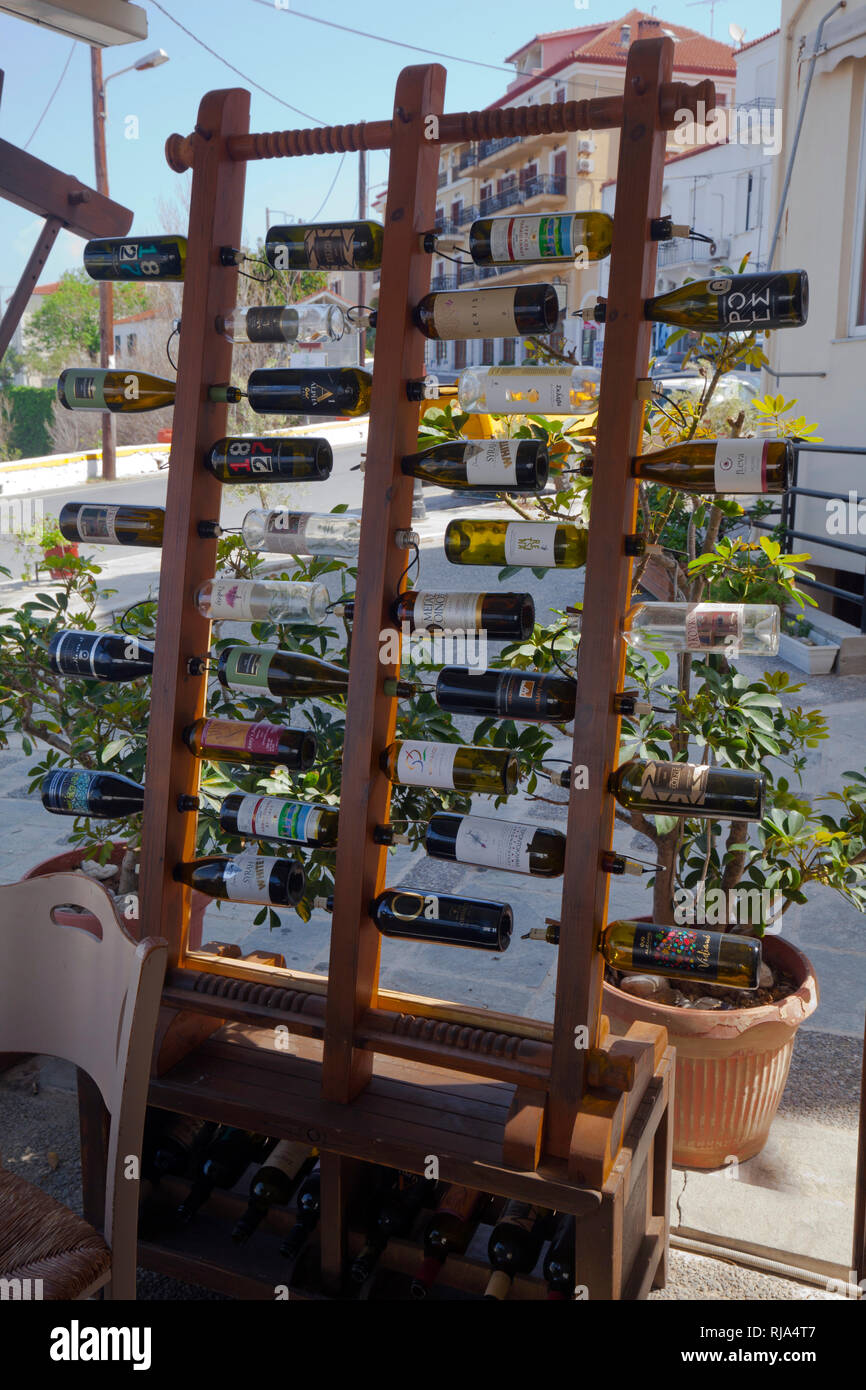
[[333, 76]]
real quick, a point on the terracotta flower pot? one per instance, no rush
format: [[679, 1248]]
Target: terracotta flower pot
[[731, 1066], [58, 552], [85, 921]]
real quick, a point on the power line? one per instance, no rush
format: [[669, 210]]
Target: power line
[[379, 38], [53, 95], [318, 211], [225, 62]]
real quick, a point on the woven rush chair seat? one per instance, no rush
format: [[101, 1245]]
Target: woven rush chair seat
[[42, 1239]]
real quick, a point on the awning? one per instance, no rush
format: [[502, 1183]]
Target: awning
[[843, 37]]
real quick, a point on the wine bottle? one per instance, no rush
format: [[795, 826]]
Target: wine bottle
[[509, 465], [105, 656], [405, 1196], [277, 818], [179, 1140], [326, 246], [496, 844], [689, 789], [245, 878], [559, 1262], [731, 628], [278, 323], [262, 600], [549, 237], [226, 1160], [730, 303], [413, 763], [500, 616], [309, 1205], [542, 544], [77, 791], [97, 388], [448, 1232], [270, 459], [515, 1245], [274, 1184], [125, 524], [683, 953], [717, 466], [443, 920], [488, 313], [302, 533], [528, 390], [288, 674], [254, 744], [524, 695], [310, 391], [142, 258]]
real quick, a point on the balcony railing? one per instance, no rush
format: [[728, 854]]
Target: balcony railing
[[443, 178], [467, 158], [541, 184], [681, 250], [466, 215], [506, 198], [488, 147], [445, 282]]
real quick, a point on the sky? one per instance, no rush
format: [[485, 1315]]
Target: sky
[[332, 77]]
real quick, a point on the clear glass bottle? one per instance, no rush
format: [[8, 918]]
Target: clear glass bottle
[[283, 323], [302, 533], [730, 628], [262, 600]]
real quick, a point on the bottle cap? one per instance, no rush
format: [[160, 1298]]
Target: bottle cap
[[399, 689], [405, 539], [209, 530], [599, 313], [224, 394], [188, 803], [635, 545], [229, 256]]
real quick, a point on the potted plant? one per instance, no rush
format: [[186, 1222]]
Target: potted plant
[[733, 1047], [801, 645]]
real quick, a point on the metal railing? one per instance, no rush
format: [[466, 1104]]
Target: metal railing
[[467, 159], [541, 184], [443, 178], [680, 250], [488, 147], [786, 525], [505, 198]]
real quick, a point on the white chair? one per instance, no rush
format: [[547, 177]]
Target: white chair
[[91, 996]]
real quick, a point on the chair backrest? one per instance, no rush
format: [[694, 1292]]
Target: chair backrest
[[90, 994]]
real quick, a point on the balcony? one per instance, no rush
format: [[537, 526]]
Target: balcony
[[543, 186], [682, 251], [445, 282], [468, 159], [488, 149], [464, 217], [508, 198], [443, 178]]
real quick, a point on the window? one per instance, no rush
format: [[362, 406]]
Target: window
[[560, 94], [508, 352], [487, 352], [857, 316], [559, 164], [441, 352], [131, 343], [336, 286], [456, 212], [460, 353], [117, 342]]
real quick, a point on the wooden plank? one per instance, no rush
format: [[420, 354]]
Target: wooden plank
[[32, 184], [93, 1125], [17, 301], [662, 1160], [608, 582], [858, 1253], [340, 1178], [371, 715], [524, 1128], [193, 495]]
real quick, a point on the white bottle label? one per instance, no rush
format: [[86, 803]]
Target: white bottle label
[[272, 818], [741, 465], [286, 531], [532, 238], [529, 544], [426, 764], [288, 1157], [95, 523], [247, 877], [475, 314], [447, 611], [537, 391], [494, 844], [232, 598], [715, 627], [492, 462]]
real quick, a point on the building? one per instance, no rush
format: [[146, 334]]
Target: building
[[823, 231], [537, 174], [719, 180]]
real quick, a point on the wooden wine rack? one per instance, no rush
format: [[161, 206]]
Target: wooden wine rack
[[507, 1105]]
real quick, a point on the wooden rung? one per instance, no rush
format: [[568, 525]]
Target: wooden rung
[[596, 1138], [267, 958], [524, 1128]]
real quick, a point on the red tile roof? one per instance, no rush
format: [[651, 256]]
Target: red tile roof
[[743, 48], [137, 318], [693, 52], [555, 34], [47, 289]]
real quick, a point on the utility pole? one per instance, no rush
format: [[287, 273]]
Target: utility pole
[[106, 288], [362, 278]]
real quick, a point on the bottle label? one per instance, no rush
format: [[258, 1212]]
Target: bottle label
[[540, 391], [677, 948], [475, 314], [97, 523], [247, 456], [88, 391], [741, 465], [226, 734], [232, 598], [426, 764], [529, 544], [288, 1157], [246, 669], [408, 907], [519, 696], [264, 323], [743, 300], [247, 879], [67, 791], [492, 461], [325, 247], [682, 784], [76, 653], [494, 844], [532, 238], [447, 611], [276, 819], [715, 627], [156, 260], [459, 1202]]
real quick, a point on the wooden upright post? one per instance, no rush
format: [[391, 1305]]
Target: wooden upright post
[[608, 585], [371, 714]]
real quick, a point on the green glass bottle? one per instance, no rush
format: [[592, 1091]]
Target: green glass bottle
[[413, 763], [717, 467], [326, 246], [144, 258], [689, 789], [544, 544], [123, 524], [561, 236], [310, 391]]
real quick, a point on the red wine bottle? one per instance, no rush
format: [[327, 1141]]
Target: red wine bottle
[[309, 1204], [448, 1232], [515, 1245]]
